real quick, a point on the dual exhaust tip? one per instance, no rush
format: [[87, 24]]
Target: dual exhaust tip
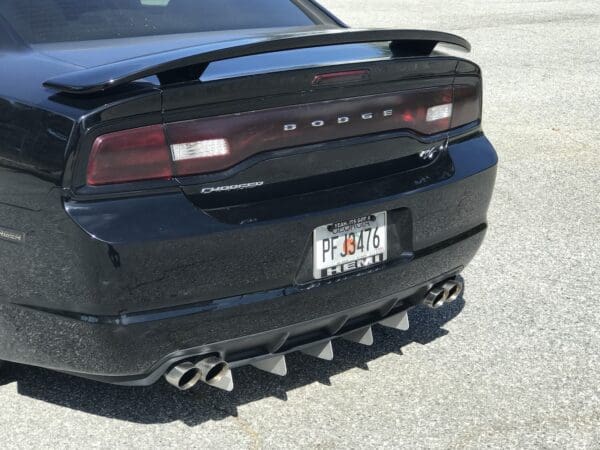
[[212, 371], [444, 293]]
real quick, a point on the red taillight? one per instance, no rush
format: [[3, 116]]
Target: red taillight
[[345, 77], [130, 155], [247, 134], [467, 105], [217, 143]]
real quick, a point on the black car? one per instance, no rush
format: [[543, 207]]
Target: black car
[[188, 187]]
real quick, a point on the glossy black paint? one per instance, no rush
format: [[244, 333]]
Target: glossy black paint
[[262, 91], [167, 64], [105, 298], [118, 283]]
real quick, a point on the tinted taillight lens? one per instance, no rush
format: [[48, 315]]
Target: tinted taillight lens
[[131, 155], [250, 133], [217, 143], [467, 101]]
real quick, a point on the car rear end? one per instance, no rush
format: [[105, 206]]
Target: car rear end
[[254, 205]]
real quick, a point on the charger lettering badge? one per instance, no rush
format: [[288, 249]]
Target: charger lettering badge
[[11, 235]]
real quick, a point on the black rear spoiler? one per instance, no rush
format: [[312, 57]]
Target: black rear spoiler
[[190, 62]]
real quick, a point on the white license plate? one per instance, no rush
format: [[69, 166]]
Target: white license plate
[[350, 245]]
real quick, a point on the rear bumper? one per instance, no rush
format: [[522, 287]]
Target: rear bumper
[[125, 329], [137, 349]]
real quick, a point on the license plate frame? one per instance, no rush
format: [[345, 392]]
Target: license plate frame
[[350, 245]]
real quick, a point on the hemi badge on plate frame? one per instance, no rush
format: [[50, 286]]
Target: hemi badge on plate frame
[[11, 235]]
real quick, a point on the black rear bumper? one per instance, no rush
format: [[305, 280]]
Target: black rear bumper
[[100, 337], [137, 349]]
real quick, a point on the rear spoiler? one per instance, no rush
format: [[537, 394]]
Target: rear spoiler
[[189, 63]]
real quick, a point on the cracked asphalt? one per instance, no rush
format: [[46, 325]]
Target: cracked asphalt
[[514, 364]]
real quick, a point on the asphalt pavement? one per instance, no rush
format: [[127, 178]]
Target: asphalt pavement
[[516, 363]]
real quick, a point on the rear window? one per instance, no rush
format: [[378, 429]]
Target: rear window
[[41, 21]]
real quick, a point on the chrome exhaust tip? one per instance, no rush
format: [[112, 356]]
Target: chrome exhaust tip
[[212, 371], [454, 289], [436, 297], [183, 376], [215, 372], [445, 292]]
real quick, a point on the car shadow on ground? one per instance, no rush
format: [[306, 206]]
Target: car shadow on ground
[[162, 403]]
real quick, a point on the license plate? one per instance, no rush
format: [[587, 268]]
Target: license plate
[[350, 245]]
